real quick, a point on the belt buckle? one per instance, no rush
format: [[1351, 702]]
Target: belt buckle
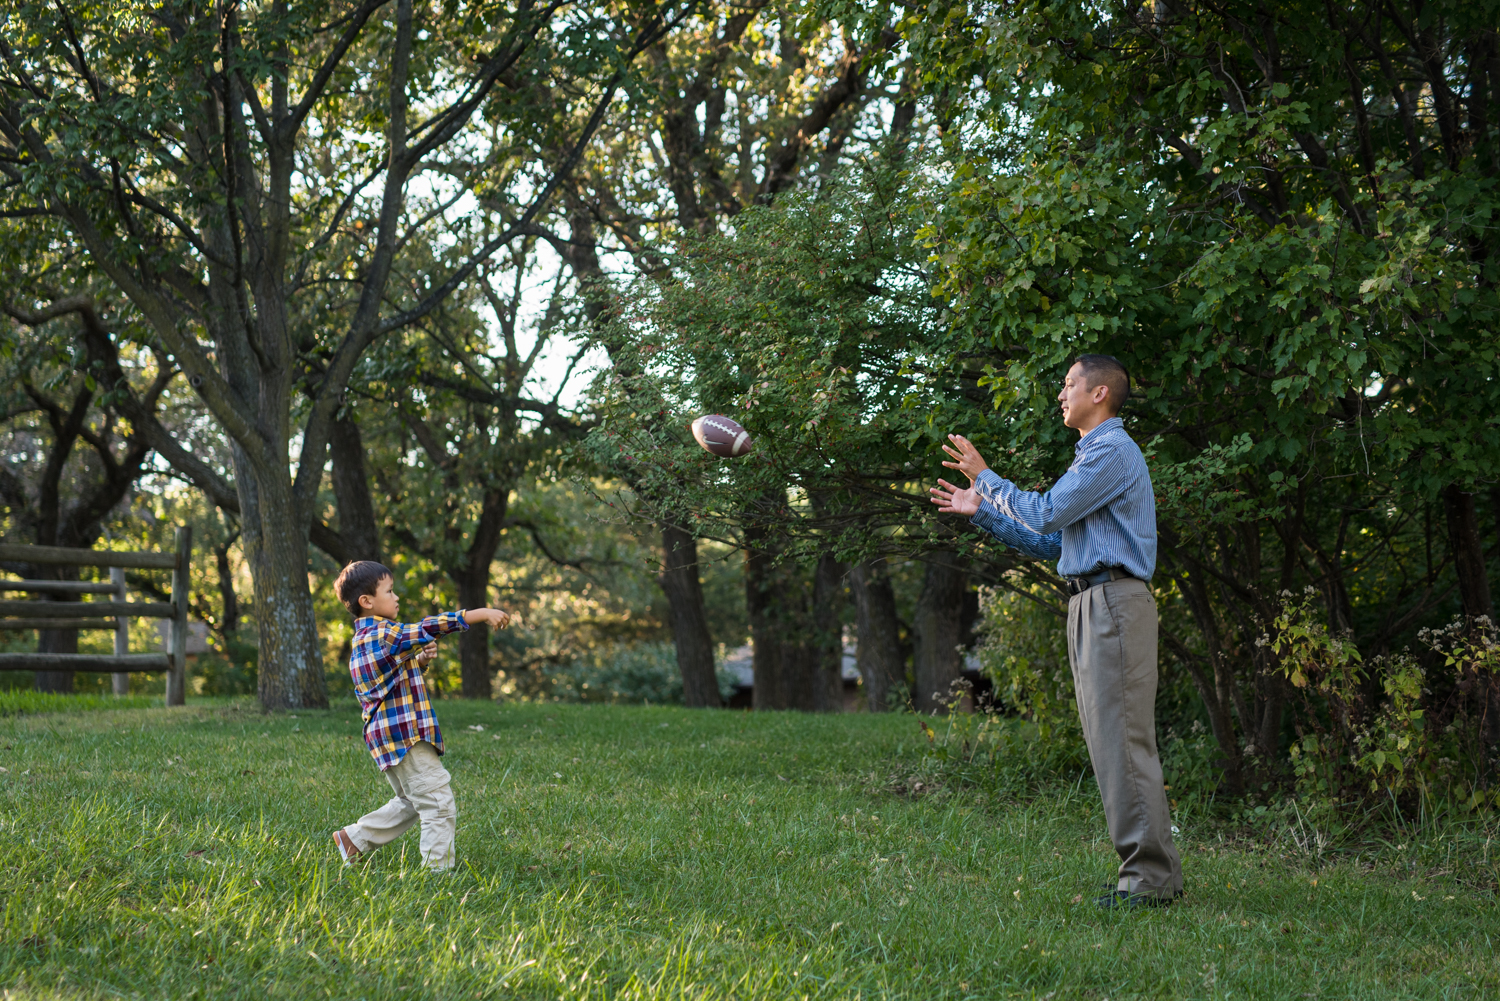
[[1077, 585]]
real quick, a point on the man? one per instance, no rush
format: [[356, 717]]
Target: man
[[1099, 522]]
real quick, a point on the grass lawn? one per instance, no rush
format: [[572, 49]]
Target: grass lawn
[[646, 853]]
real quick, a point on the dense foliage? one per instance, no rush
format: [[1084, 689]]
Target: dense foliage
[[1282, 221]]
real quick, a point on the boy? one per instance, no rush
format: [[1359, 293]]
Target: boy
[[399, 725]]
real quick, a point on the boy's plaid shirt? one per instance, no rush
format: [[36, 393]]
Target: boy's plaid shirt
[[392, 695]]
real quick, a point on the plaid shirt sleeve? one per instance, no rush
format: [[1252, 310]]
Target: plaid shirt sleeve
[[392, 696]]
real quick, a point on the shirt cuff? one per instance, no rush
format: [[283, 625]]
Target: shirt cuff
[[990, 485], [985, 520]]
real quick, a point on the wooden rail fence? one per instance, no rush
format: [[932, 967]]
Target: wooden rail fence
[[113, 614]]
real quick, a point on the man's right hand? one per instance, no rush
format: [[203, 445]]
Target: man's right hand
[[953, 500]]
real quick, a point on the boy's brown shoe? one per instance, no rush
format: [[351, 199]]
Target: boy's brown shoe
[[346, 847]]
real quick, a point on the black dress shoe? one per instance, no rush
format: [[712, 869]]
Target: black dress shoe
[[1123, 899]]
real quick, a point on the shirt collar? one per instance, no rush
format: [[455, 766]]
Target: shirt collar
[[1109, 425]]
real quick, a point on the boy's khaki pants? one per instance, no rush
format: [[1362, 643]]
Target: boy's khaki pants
[[421, 785], [1112, 646]]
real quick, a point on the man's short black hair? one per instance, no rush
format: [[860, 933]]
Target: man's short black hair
[[358, 578], [1107, 369]]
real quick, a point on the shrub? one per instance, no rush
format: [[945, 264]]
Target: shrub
[[1023, 650], [230, 671], [644, 672], [1417, 743]]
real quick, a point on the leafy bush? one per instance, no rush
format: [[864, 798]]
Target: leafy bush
[[1024, 651], [1420, 743], [644, 672], [1414, 737], [231, 671]]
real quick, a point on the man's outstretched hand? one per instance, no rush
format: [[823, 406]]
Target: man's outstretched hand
[[953, 500], [967, 460]]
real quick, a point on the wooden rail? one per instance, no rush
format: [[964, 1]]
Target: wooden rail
[[97, 662], [58, 586], [59, 556], [114, 615], [70, 609], [58, 624]]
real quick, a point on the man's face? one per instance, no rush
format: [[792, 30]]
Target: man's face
[[383, 602], [1083, 406]]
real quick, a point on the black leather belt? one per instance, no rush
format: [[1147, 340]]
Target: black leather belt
[[1078, 585]]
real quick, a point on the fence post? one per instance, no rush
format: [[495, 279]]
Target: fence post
[[120, 679], [177, 676]]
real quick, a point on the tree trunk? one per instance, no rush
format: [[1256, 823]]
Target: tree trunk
[[229, 622], [56, 640], [684, 590], [473, 580], [826, 642], [474, 643], [1468, 552], [351, 491], [679, 578], [765, 631], [794, 668], [290, 668], [939, 661], [780, 625], [879, 635]]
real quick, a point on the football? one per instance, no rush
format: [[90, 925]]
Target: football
[[722, 436]]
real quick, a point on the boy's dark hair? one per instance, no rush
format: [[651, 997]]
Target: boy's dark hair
[[359, 577], [1107, 369]]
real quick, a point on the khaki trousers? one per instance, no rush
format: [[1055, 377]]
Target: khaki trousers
[[421, 785], [1112, 649]]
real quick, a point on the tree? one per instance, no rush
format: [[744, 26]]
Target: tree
[[72, 457], [730, 113], [252, 179], [811, 322], [451, 459]]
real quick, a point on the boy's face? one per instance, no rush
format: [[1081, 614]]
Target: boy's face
[[383, 602]]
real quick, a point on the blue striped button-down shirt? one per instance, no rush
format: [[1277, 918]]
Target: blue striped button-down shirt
[[1101, 513]]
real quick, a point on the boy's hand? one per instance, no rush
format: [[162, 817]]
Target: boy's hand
[[493, 616], [426, 654]]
